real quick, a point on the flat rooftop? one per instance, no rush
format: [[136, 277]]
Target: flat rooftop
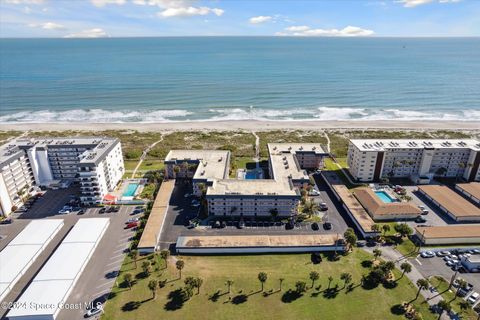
[[260, 187], [386, 144], [276, 148], [152, 229], [472, 188], [212, 164], [97, 147], [285, 165], [257, 241], [451, 201], [453, 231], [372, 203]]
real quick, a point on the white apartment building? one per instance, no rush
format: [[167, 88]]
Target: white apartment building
[[96, 163], [373, 159], [278, 195]]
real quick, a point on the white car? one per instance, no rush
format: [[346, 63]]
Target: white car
[[476, 251], [64, 211], [452, 263], [473, 297], [421, 207], [186, 195], [442, 253], [427, 254], [93, 311], [453, 257], [314, 192]]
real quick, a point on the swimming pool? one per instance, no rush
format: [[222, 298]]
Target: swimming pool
[[130, 190], [251, 175], [384, 196]]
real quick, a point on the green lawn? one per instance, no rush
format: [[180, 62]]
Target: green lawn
[[448, 295], [146, 165], [247, 302], [331, 166]]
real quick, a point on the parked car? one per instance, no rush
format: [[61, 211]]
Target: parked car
[[424, 212], [420, 219], [361, 243], [315, 226], [81, 211], [464, 291], [442, 253], [313, 192], [241, 224], [223, 224], [102, 210], [116, 208], [427, 254], [216, 224], [421, 207], [136, 211], [6, 221], [131, 225], [289, 225], [93, 311], [452, 263], [131, 220], [64, 211], [476, 251], [196, 204], [327, 225], [473, 297], [323, 206]]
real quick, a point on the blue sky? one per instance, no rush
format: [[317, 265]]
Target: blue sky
[[132, 18]]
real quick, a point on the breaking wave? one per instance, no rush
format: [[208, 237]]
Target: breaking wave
[[322, 113]]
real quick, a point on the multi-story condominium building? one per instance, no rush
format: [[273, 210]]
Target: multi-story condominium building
[[278, 195], [96, 163], [373, 159]]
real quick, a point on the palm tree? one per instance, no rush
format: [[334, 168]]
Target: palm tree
[[164, 254], [179, 265], [300, 286], [152, 286], [280, 280], [377, 253], [128, 278], [262, 277], [229, 284], [444, 306], [146, 268], [422, 284], [346, 277], [330, 279], [406, 268], [198, 284], [310, 207], [133, 254], [314, 275], [462, 284], [350, 237], [176, 170], [385, 228]]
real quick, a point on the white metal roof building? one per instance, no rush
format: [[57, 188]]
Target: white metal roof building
[[52, 285], [23, 250]]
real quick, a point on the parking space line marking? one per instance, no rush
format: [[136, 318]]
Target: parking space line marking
[[106, 283], [117, 256], [418, 261]]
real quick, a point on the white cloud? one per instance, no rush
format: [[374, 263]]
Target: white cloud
[[297, 28], [305, 31], [414, 3], [47, 26], [102, 3], [24, 1], [90, 33], [189, 12], [259, 19]]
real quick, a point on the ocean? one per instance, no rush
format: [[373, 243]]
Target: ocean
[[238, 78]]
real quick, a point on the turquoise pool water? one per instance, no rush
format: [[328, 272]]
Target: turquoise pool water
[[251, 175], [130, 190], [384, 196]]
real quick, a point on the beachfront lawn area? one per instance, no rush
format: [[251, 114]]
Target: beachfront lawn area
[[246, 301], [459, 305], [331, 166], [147, 165]]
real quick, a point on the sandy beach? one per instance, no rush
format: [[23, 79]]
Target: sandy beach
[[249, 125]]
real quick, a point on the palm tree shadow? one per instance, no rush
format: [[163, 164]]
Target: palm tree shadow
[[239, 299], [176, 300], [290, 296], [131, 306]]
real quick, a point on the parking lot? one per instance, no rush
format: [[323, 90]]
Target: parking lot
[[436, 266], [180, 211], [99, 275]]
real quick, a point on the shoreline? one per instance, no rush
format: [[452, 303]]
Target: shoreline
[[249, 125]]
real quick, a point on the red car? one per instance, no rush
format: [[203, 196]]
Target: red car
[[131, 225]]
